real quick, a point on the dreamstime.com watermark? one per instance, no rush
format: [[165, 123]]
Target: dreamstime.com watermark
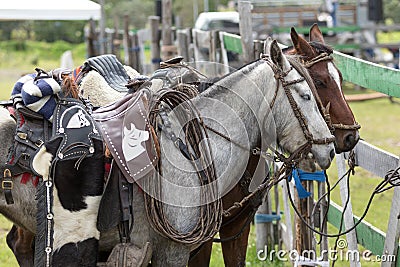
[[339, 254]]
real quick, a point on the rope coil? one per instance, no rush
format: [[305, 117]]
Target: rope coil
[[210, 217]]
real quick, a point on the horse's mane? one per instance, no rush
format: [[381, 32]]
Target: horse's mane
[[319, 47], [69, 87], [245, 69], [204, 85], [296, 62]]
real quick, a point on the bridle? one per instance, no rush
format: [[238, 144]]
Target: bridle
[[335, 126], [280, 77]]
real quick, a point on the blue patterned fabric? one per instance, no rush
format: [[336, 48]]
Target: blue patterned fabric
[[37, 94]]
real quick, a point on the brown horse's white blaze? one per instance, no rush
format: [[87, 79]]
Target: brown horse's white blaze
[[349, 137]]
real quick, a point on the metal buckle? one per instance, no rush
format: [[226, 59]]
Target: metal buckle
[[39, 143], [7, 185], [22, 135], [177, 141], [7, 173]]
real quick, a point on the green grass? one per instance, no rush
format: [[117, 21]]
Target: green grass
[[7, 259], [15, 63]]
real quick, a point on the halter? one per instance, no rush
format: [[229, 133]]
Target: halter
[[336, 126], [280, 77]]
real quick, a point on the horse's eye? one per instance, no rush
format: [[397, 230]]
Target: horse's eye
[[319, 83], [306, 96]]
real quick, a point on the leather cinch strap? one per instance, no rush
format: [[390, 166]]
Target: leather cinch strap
[[7, 185]]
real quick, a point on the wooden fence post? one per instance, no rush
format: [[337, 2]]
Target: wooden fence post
[[287, 228], [258, 48], [144, 35], [127, 42], [278, 224], [135, 52], [183, 46], [109, 41], [246, 30], [348, 213], [201, 39], [393, 231], [214, 42], [92, 39], [155, 42], [167, 48], [191, 45], [116, 42], [323, 225], [261, 228], [102, 38]]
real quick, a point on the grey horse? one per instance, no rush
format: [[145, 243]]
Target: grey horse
[[248, 105]]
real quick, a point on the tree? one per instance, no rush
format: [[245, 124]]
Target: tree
[[50, 31], [391, 10]]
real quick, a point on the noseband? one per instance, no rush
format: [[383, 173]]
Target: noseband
[[334, 126]]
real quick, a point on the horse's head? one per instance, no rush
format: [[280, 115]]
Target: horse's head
[[300, 126], [328, 82]]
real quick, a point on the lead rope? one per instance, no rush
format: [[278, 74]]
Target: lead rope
[[392, 178]]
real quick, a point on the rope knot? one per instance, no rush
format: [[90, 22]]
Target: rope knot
[[237, 204]]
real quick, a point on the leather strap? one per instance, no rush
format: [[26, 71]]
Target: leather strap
[[125, 190], [7, 185]]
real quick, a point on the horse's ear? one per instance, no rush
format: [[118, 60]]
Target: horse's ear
[[316, 34], [277, 56], [267, 45], [300, 44]]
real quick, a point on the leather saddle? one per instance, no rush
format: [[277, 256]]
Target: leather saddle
[[128, 134], [132, 144], [109, 67], [31, 132]]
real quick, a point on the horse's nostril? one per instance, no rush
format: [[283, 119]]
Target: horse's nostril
[[350, 140], [332, 154]]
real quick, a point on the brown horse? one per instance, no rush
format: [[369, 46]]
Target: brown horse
[[236, 227], [327, 78]]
